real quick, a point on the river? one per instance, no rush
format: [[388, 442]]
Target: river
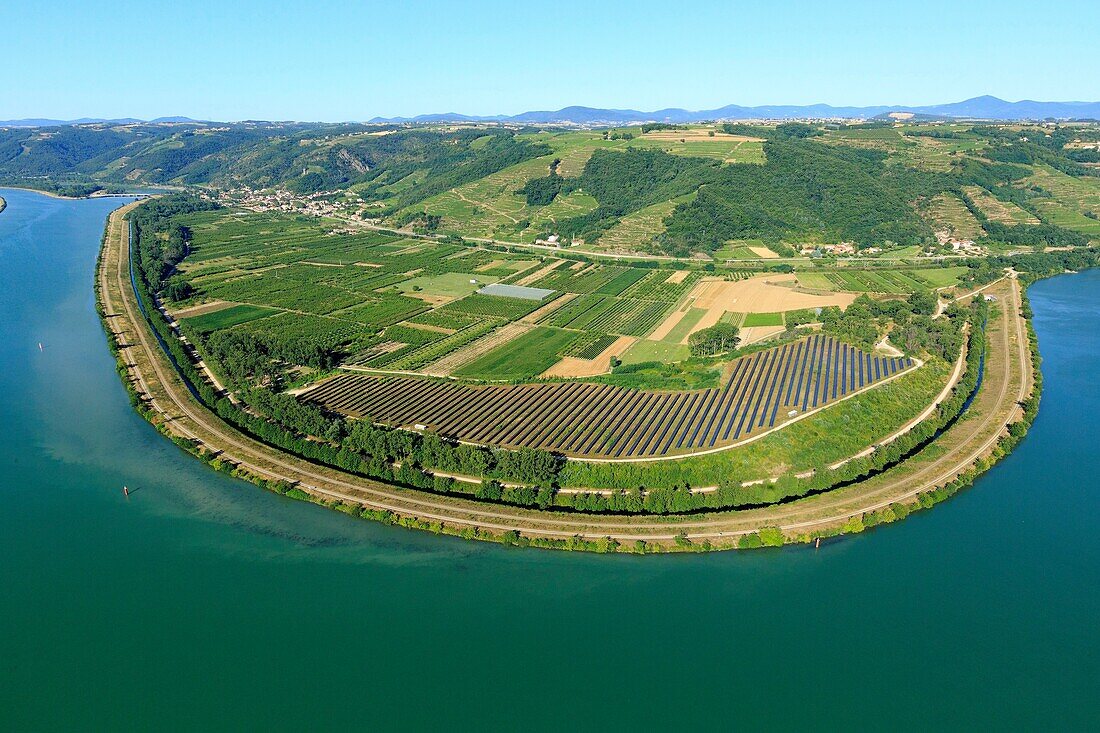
[[202, 602]]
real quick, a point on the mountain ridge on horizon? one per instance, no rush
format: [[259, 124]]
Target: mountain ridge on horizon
[[981, 107], [985, 107]]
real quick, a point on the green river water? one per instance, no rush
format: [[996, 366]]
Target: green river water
[[204, 603]]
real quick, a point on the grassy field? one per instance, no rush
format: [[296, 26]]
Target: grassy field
[[762, 319], [450, 285], [683, 327], [527, 356], [227, 317], [663, 351]]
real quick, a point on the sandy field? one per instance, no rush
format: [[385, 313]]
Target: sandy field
[[537, 274], [677, 277], [764, 253], [198, 310], [665, 326], [763, 294], [571, 366], [752, 334]]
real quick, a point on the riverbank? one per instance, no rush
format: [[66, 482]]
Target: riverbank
[[922, 480]]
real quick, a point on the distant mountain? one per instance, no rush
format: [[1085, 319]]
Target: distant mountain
[[44, 122], [985, 108], [980, 108]]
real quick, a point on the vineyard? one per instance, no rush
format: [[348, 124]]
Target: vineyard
[[764, 389], [882, 281]]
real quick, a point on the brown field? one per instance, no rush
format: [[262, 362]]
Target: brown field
[[752, 334], [571, 366], [198, 310], [539, 273], [677, 277], [764, 253], [763, 294]]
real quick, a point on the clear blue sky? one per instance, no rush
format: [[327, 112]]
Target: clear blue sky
[[238, 59]]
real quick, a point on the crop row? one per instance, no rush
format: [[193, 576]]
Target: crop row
[[494, 306], [414, 356], [609, 315], [582, 419], [886, 281], [589, 346], [656, 285]]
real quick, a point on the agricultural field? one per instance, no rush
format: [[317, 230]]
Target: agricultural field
[[226, 317], [997, 210], [882, 281], [522, 358], [702, 143], [763, 390], [762, 319], [1071, 198], [635, 231], [750, 249], [665, 352], [445, 287], [947, 212]]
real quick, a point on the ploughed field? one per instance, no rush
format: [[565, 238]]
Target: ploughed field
[[764, 389]]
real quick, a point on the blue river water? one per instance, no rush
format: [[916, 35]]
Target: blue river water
[[201, 602]]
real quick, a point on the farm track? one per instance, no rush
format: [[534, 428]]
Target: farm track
[[167, 396]]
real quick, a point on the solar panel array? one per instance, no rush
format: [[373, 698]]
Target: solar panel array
[[764, 389]]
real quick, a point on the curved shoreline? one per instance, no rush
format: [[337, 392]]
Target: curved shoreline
[[222, 445]]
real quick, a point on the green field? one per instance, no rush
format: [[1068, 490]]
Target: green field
[[882, 281], [448, 285], [663, 351], [680, 331], [227, 317], [762, 319], [522, 358]]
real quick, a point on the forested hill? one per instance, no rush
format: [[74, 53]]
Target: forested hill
[[302, 157], [658, 188]]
